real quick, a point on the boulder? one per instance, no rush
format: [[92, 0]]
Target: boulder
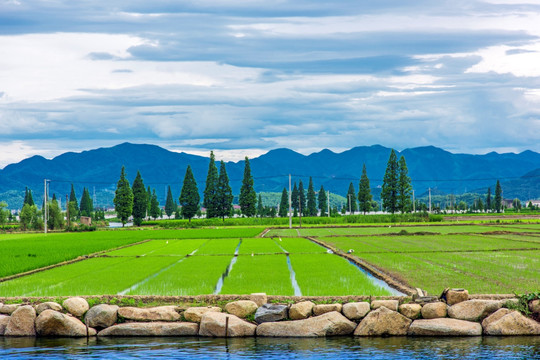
[[241, 308], [513, 323], [54, 323], [271, 312], [101, 316], [495, 316], [534, 306], [434, 310], [159, 313], [473, 310], [21, 322], [8, 309], [412, 311], [259, 298], [213, 324], [328, 324], [301, 310], [50, 305], [389, 304], [4, 319], [194, 314], [383, 321], [76, 306], [455, 296], [152, 329], [355, 310], [326, 308], [444, 327]]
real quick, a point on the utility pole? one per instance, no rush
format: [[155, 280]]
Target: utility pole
[[45, 204], [328, 202], [290, 203], [429, 200]]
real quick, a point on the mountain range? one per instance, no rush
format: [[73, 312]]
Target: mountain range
[[429, 167]]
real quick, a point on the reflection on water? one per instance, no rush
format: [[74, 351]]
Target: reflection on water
[[271, 348]]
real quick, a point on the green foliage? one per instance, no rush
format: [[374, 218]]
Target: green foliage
[[155, 211], [364, 192], [169, 203], [284, 203], [87, 206], [73, 199], [323, 201], [30, 218], [3, 213], [73, 210], [123, 199], [260, 207], [498, 197], [189, 196], [523, 302], [351, 199], [390, 187], [248, 197], [210, 190], [311, 199], [140, 201], [404, 187], [224, 196], [488, 200], [55, 218], [302, 199], [295, 198]]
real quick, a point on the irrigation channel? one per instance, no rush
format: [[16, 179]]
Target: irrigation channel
[[464, 348]]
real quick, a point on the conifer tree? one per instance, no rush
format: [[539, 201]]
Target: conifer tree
[[302, 199], [284, 203], [351, 199], [73, 198], [30, 199], [148, 200], [25, 201], [404, 187], [488, 200], [87, 206], [155, 211], [140, 202], [224, 196], [189, 196], [169, 203], [248, 197], [311, 199], [123, 198], [260, 207], [498, 197], [389, 191], [295, 199], [364, 192], [323, 201], [211, 188]]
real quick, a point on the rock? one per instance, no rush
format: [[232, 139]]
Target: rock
[[383, 321], [534, 306], [213, 324], [326, 308], [355, 310], [271, 313], [412, 311], [495, 316], [473, 310], [76, 306], [159, 313], [8, 309], [101, 316], [455, 296], [444, 327], [152, 329], [4, 319], [513, 323], [194, 314], [301, 310], [54, 323], [434, 310], [426, 299], [389, 304], [21, 322], [241, 308], [259, 298], [48, 306], [328, 324]]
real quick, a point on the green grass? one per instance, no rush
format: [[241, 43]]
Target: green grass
[[299, 245], [259, 246], [260, 273], [161, 247], [326, 274], [219, 247]]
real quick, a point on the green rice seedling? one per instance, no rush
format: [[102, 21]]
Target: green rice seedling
[[219, 247], [259, 273], [259, 246], [160, 247], [299, 245]]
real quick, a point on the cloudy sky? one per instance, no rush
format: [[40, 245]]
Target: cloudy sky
[[242, 77]]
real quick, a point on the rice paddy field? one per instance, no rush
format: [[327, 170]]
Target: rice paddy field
[[498, 258]]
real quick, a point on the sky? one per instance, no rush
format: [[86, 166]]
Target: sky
[[242, 77]]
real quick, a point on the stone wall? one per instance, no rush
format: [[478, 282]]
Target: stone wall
[[453, 314]]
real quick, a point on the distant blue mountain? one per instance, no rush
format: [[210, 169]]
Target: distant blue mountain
[[429, 167]]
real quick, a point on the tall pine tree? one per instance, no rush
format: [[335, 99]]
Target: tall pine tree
[[189, 196], [323, 201], [30, 199], [364, 192], [155, 211], [248, 197], [295, 199], [311, 199], [224, 196], [498, 197], [389, 193], [351, 199], [140, 200], [404, 187], [73, 199], [87, 206], [169, 203], [260, 207], [284, 203], [488, 200], [302, 199], [123, 198], [210, 190]]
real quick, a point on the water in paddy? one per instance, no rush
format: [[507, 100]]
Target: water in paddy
[[506, 348]]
